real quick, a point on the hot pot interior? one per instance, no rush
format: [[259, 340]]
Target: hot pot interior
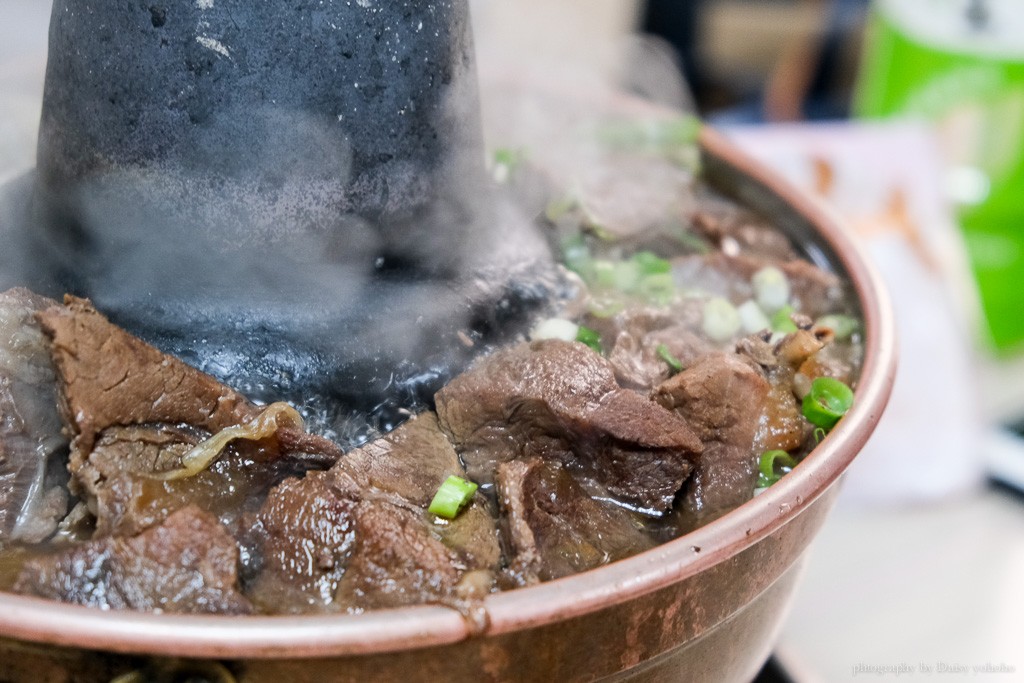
[[704, 607]]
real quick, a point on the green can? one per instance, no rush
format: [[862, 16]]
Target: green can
[[960, 63]]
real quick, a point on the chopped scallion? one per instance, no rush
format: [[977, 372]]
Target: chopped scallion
[[452, 496], [770, 460], [593, 225], [752, 317], [606, 305], [674, 138], [782, 322], [650, 263], [555, 328], [659, 288], [576, 257], [511, 158], [557, 209], [826, 402], [673, 363], [589, 337], [721, 320], [603, 274], [626, 276], [506, 163], [771, 288]]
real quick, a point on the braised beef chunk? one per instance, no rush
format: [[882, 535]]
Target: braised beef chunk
[[119, 478], [135, 412], [303, 539], [113, 477], [730, 228], [638, 360], [32, 495], [187, 564], [322, 551], [554, 528], [407, 467], [396, 561], [783, 426], [722, 398], [320, 541], [815, 291], [634, 336], [559, 400], [110, 378], [410, 462]]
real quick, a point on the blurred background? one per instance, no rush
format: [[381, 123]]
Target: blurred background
[[907, 118]]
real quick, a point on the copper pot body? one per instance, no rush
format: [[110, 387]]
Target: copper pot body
[[705, 607]]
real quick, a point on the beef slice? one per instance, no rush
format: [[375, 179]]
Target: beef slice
[[559, 400], [406, 467], [359, 536], [723, 398], [554, 528], [303, 537], [119, 479], [187, 564], [32, 476], [135, 411]]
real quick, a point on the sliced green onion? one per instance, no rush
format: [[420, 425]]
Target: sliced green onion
[[843, 326], [752, 318], [555, 328], [658, 289], [673, 363], [826, 402], [771, 288], [626, 276], [506, 163], [453, 495], [766, 466], [650, 263], [595, 227], [721, 321], [589, 337], [782, 322], [603, 274], [819, 435], [606, 305], [509, 157], [678, 131]]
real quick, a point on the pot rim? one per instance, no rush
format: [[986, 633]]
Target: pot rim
[[258, 637]]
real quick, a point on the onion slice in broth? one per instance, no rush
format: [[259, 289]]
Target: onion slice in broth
[[274, 417]]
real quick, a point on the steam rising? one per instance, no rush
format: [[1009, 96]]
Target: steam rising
[[293, 199], [297, 202]]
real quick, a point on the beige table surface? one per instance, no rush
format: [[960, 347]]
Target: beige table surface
[[937, 586]]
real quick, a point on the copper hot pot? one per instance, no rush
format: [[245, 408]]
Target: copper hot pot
[[704, 607]]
